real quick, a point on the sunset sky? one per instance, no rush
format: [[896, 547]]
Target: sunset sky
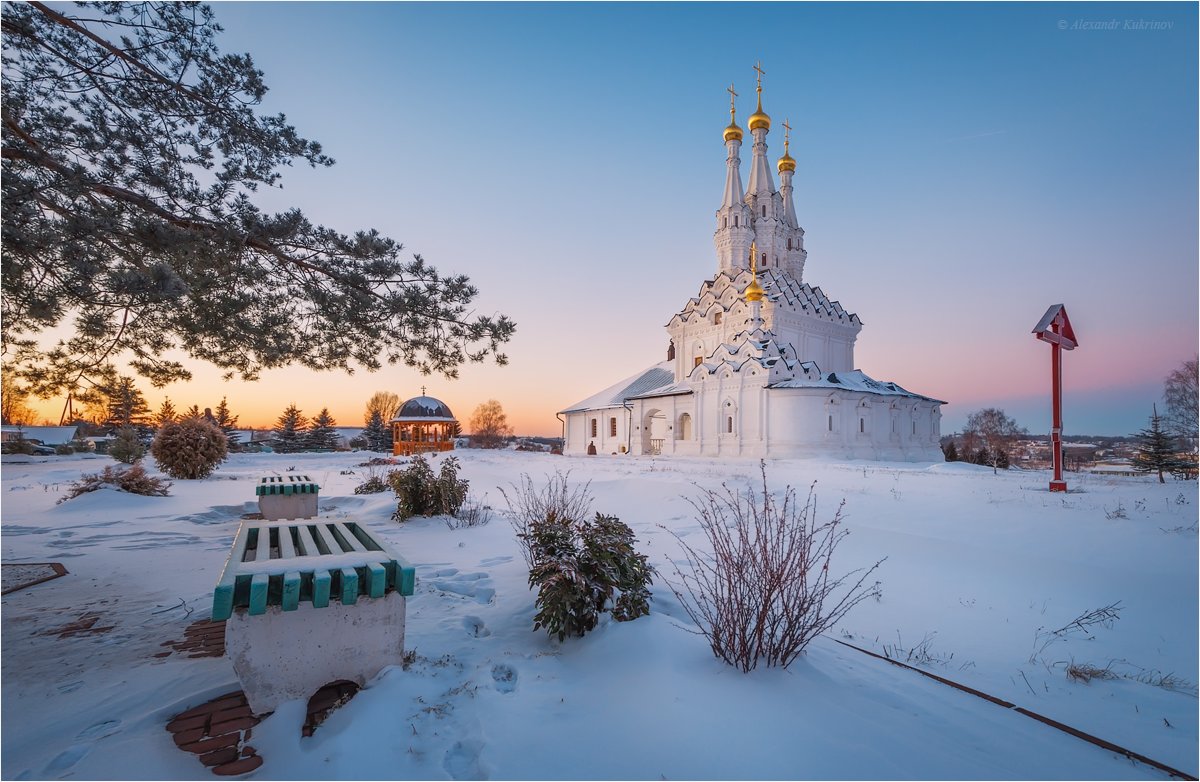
[[960, 168]]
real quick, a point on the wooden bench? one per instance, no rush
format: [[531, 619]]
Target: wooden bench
[[309, 602], [287, 497]]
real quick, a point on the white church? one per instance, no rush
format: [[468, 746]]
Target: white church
[[759, 363]]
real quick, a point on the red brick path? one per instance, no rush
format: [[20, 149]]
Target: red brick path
[[217, 731], [200, 639]]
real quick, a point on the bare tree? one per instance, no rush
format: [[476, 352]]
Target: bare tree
[[385, 403], [14, 408], [489, 425], [766, 589], [997, 433], [1179, 391]]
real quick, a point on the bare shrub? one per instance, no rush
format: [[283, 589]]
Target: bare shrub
[[189, 448], [1080, 625], [473, 513], [1116, 513], [766, 589], [133, 479], [556, 501], [1085, 672], [375, 483], [920, 654]]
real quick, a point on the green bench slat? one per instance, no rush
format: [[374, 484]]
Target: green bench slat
[[290, 600], [322, 580], [349, 586], [258, 593], [377, 579]]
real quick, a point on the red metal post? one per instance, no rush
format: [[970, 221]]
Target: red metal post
[[1058, 484]]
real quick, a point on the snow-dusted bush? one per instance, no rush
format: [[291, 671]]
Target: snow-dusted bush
[[766, 589], [131, 479], [127, 447], [189, 448], [419, 492], [556, 501], [583, 569]]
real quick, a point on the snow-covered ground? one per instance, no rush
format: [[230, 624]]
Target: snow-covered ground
[[976, 565]]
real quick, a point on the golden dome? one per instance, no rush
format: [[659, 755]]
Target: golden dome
[[787, 162], [754, 291], [759, 118], [733, 132]]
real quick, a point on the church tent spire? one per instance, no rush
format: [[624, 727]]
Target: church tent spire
[[734, 223], [761, 182]]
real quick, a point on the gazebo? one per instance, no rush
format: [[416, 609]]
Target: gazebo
[[423, 424]]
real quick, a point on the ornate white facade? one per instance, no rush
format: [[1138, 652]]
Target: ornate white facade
[[759, 363]]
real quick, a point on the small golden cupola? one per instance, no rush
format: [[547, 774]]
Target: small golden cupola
[[733, 132], [787, 162], [754, 291], [759, 118]]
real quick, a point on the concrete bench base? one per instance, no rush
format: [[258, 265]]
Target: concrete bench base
[[275, 507], [285, 655]]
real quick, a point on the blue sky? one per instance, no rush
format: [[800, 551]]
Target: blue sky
[[961, 167]]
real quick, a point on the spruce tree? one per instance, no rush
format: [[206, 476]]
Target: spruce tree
[[192, 412], [950, 451], [290, 431], [1155, 452], [378, 434], [228, 423], [322, 436], [166, 414]]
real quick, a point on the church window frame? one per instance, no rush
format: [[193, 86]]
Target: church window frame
[[728, 424], [830, 429], [594, 427], [717, 318], [612, 427], [764, 210], [862, 425], [684, 429], [735, 221]]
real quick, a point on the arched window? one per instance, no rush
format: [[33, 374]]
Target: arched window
[[729, 424], [764, 259], [831, 423], [735, 225], [862, 425], [789, 244], [914, 427], [612, 427], [593, 427], [717, 319], [724, 222], [764, 210], [684, 430]]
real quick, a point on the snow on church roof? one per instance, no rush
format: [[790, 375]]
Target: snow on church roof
[[854, 380], [644, 383]]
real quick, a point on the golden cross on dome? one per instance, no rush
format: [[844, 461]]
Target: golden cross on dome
[[422, 390], [753, 259], [732, 95], [761, 73], [787, 135]]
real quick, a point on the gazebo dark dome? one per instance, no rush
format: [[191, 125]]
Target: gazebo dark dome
[[424, 408]]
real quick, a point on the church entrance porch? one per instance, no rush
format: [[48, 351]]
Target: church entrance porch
[[654, 432]]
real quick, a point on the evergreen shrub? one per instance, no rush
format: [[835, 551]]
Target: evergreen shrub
[[421, 492], [581, 568], [127, 447], [189, 449]]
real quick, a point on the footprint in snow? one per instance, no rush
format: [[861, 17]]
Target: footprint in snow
[[475, 626], [65, 760], [505, 677], [100, 730], [462, 760]]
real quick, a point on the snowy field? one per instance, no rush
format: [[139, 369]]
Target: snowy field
[[976, 565]]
